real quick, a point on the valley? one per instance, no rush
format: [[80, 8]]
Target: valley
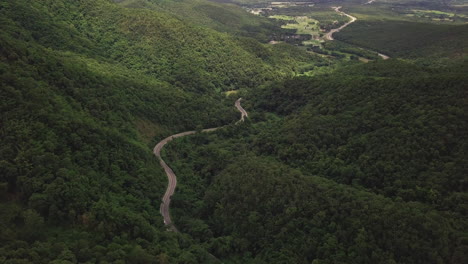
[[348, 145], [309, 32], [170, 173]]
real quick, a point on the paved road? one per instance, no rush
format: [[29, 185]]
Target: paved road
[[242, 110], [166, 200], [329, 35], [383, 56]]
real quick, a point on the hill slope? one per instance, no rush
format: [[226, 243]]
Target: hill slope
[[85, 86], [365, 165]]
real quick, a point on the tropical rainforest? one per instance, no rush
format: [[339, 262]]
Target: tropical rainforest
[[354, 149]]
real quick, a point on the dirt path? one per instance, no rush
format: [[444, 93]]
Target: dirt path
[[166, 200]]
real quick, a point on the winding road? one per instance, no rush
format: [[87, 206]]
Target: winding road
[[166, 200], [329, 35]]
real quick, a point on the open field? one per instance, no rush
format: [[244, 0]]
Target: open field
[[302, 25], [323, 13], [404, 30]]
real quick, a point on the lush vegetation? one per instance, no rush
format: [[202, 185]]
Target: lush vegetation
[[223, 18], [364, 166], [408, 39], [86, 90], [359, 163]]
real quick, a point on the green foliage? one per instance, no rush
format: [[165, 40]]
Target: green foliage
[[358, 170], [78, 183], [407, 39], [223, 18], [350, 49], [365, 166], [388, 134], [326, 16]]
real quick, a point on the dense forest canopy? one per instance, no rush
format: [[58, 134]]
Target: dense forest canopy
[[388, 144], [345, 157]]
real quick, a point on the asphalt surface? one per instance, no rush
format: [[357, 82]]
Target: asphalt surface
[[329, 35], [242, 110], [166, 200]]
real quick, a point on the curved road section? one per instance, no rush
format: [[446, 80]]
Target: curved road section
[[244, 113], [329, 35], [166, 200]]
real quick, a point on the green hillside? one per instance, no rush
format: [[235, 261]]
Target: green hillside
[[362, 166], [356, 163], [224, 18], [87, 88]]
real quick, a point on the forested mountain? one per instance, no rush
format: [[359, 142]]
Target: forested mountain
[[360, 163], [85, 86], [224, 18], [366, 165]]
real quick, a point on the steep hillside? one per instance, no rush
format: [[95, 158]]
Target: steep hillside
[[365, 165], [85, 86], [152, 42], [362, 163], [223, 18]]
